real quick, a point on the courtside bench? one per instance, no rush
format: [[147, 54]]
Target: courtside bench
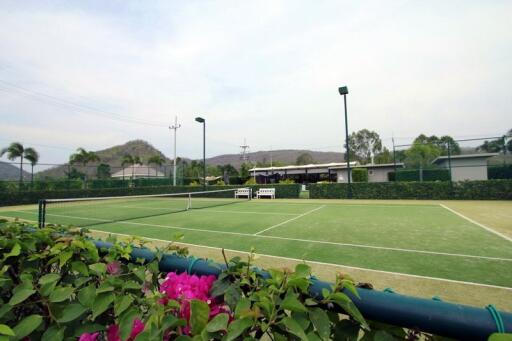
[[243, 192], [266, 192]]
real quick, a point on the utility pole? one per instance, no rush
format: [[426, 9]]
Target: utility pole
[[174, 127]]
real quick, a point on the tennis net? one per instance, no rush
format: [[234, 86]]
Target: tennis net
[[82, 212]]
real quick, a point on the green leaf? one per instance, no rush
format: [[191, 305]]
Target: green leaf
[[80, 267], [27, 326], [104, 287], [20, 296], [15, 251], [101, 303], [350, 287], [220, 287], [50, 278], [64, 256], [232, 295], [291, 303], [350, 308], [87, 328], [98, 268], [302, 270], [294, 328], [61, 294], [237, 327], [243, 306], [6, 330], [131, 285], [382, 335], [321, 322], [54, 333], [121, 303], [500, 337], [71, 312], [87, 295], [218, 323], [312, 336], [199, 312], [4, 309], [126, 322]]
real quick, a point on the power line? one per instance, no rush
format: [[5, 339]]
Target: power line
[[84, 108]]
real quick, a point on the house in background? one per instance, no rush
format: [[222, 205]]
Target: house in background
[[332, 172], [138, 172], [465, 166]]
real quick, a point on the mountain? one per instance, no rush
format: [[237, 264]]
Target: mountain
[[11, 172], [111, 156], [286, 156]]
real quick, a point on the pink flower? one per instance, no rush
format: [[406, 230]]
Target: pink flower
[[88, 337], [114, 268], [184, 288], [113, 331]]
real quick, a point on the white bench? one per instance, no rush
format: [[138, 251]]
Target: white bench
[[266, 192], [243, 192]]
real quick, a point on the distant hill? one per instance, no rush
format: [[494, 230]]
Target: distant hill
[[111, 156], [286, 156], [11, 172]]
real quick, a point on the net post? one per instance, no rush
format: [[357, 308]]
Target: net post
[[42, 213], [189, 204]]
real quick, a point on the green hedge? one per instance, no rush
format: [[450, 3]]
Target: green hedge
[[360, 175], [428, 175], [32, 197], [500, 172], [479, 190]]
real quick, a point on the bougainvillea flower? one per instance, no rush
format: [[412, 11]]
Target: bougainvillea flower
[[89, 337], [113, 331], [114, 268]]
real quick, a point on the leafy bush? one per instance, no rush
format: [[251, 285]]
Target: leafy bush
[[500, 172], [360, 175], [220, 183], [287, 181], [55, 285], [250, 181], [428, 175], [477, 190]]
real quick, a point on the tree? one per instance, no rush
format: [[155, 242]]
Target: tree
[[497, 145], [244, 170], [132, 161], [103, 171], [304, 159], [364, 145], [157, 160], [33, 157], [442, 142], [421, 155], [16, 150], [83, 157], [385, 156]]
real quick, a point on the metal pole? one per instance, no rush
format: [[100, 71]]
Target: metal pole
[[449, 160], [349, 193], [204, 155], [394, 156], [175, 128]]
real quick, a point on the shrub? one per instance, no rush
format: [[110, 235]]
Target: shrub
[[500, 172], [476, 190], [195, 183], [220, 183], [250, 181], [287, 181], [360, 175]]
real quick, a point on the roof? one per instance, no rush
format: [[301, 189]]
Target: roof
[[370, 165], [310, 166], [138, 170], [465, 156]]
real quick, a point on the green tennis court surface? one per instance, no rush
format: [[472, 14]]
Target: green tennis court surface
[[424, 240]]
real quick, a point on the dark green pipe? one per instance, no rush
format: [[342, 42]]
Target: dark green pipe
[[431, 316]]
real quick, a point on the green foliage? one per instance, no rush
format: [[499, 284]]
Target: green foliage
[[422, 175], [385, 156], [500, 172], [443, 143], [103, 171], [287, 181], [250, 181], [360, 175], [304, 159], [364, 145], [420, 155], [471, 190]]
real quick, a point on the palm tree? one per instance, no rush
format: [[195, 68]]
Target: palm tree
[[33, 157], [132, 161], [16, 150], [156, 160], [83, 157]]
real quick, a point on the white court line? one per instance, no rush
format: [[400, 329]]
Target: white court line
[[291, 219], [288, 239], [319, 263], [477, 223], [208, 210]]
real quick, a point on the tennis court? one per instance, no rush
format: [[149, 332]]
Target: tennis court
[[418, 239]]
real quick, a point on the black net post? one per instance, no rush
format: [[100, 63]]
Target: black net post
[[42, 213]]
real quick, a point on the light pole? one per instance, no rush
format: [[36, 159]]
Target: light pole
[[203, 121], [175, 128], [343, 90]]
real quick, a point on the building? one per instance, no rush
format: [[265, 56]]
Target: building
[[332, 172], [138, 172], [376, 172], [465, 166]]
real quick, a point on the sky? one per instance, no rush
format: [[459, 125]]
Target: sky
[[94, 74]]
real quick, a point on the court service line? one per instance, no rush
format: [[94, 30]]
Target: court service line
[[285, 238], [209, 210], [289, 220], [318, 262], [477, 223]]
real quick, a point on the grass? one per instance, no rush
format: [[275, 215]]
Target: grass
[[412, 238]]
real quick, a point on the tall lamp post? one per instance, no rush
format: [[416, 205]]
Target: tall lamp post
[[203, 121], [343, 90]]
